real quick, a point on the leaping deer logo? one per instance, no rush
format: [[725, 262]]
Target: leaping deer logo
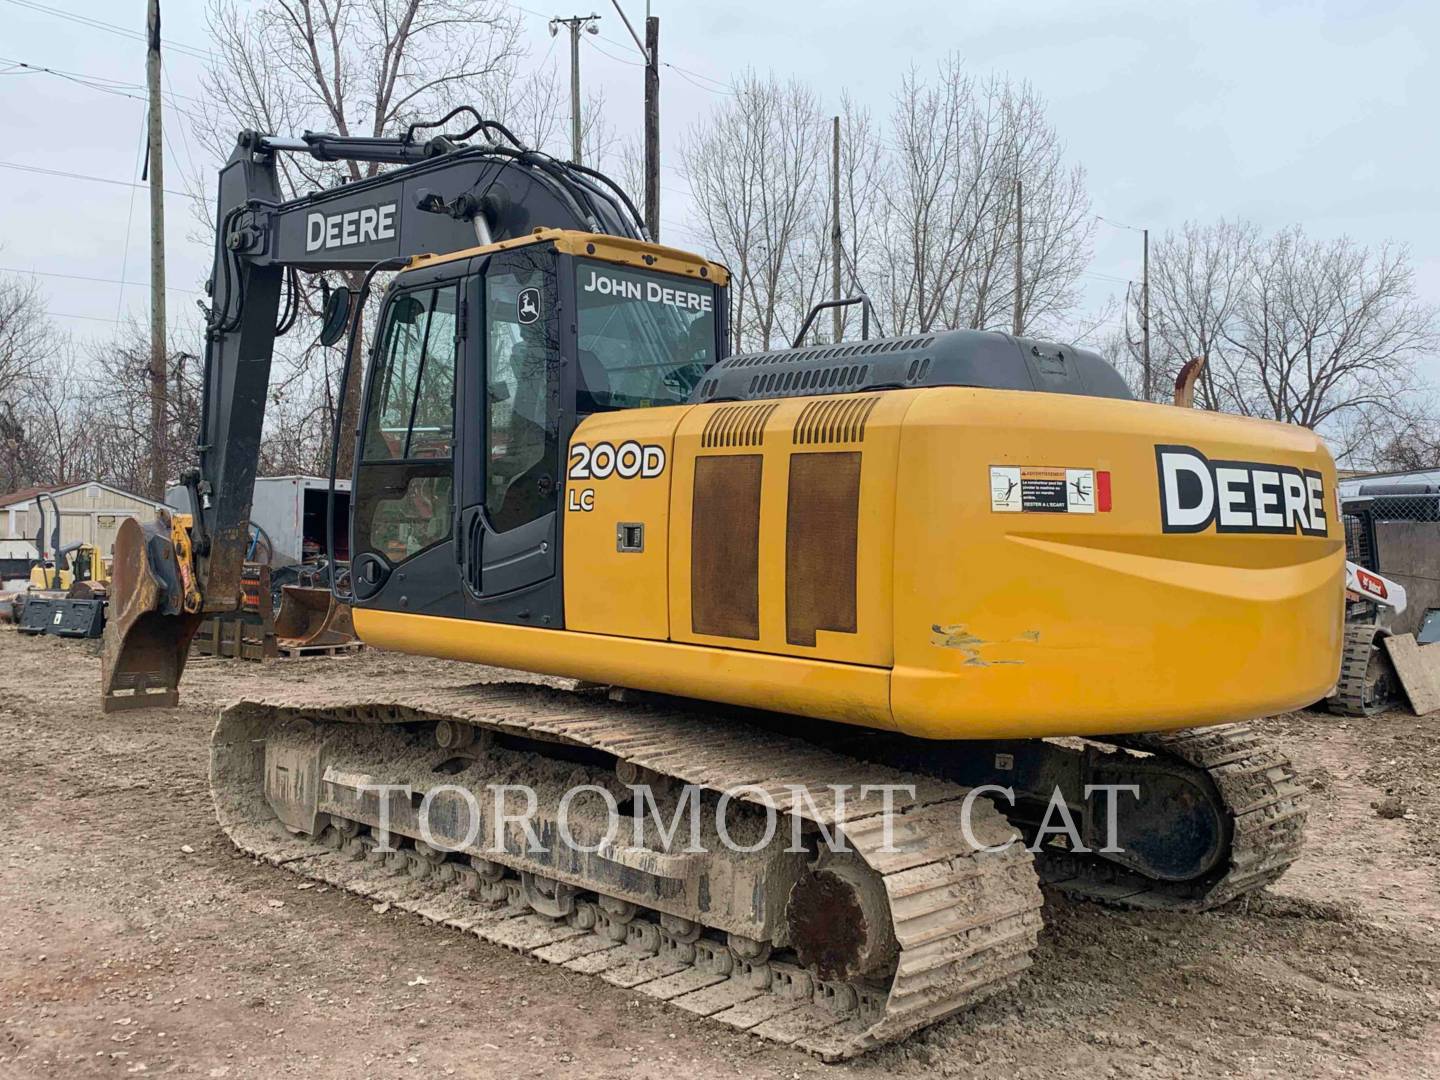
[[528, 305]]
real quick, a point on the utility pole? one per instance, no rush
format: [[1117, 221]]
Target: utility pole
[[1145, 374], [1017, 323], [575, 23], [155, 167], [652, 125], [836, 313], [650, 50]]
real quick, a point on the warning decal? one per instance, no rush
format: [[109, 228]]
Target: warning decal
[[1043, 489]]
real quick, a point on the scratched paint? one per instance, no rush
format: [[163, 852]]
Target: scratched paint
[[960, 637]]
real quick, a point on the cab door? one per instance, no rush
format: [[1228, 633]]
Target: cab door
[[509, 528], [403, 506]]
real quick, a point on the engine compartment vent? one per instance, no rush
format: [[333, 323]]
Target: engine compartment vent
[[833, 420], [736, 425]]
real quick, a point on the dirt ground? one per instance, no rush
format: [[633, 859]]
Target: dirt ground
[[135, 941]]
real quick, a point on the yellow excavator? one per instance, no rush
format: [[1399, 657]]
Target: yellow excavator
[[935, 604]]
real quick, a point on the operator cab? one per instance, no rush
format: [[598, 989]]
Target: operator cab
[[483, 364]]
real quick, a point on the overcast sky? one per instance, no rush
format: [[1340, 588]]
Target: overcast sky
[[1317, 113]]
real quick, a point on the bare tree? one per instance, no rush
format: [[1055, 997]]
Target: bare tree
[[1404, 436], [56, 412], [927, 205], [948, 212], [1324, 334], [755, 169], [297, 436], [17, 454], [1199, 281], [1328, 327], [28, 339], [29, 345], [97, 411], [862, 179], [536, 107], [354, 68]]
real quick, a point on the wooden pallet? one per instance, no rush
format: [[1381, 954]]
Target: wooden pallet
[[295, 651], [234, 638]]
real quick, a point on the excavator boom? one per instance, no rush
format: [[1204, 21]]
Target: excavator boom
[[441, 195]]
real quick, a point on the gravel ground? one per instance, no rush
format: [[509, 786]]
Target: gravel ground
[[135, 942]]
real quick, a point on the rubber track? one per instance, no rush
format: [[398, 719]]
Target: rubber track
[[966, 921], [1349, 696], [1259, 790]]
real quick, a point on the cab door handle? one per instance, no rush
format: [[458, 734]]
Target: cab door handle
[[471, 545]]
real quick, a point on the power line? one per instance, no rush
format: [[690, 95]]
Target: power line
[[184, 134], [88, 318], [725, 88], [612, 56], [86, 277], [130, 213], [92, 179], [115, 90], [682, 72], [1119, 224], [100, 24], [1105, 277], [122, 84]]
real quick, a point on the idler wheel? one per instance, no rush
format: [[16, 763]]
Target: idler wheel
[[839, 921]]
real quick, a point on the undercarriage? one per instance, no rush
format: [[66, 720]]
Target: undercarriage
[[837, 898]]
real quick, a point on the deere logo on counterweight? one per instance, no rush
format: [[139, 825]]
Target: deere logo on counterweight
[[1237, 496]]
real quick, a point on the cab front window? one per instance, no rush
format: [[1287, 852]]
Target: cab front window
[[645, 338]]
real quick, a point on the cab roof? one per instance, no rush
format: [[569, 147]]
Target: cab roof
[[616, 249]]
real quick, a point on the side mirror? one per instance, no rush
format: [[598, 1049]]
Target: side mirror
[[336, 316]]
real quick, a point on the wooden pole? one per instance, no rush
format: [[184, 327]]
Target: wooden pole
[[156, 168], [1147, 378], [652, 126], [574, 25], [1017, 321], [837, 314]]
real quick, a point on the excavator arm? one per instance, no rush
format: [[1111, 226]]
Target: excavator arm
[[443, 194]]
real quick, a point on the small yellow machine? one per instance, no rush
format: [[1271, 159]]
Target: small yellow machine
[[79, 563]]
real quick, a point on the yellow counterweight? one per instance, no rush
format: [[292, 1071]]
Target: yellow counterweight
[[948, 562]]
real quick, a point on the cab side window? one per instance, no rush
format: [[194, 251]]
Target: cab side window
[[404, 503], [522, 394]]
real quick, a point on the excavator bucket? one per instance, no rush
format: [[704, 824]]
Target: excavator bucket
[[311, 616], [154, 612]]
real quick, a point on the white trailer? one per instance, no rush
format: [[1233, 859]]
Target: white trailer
[[291, 511]]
